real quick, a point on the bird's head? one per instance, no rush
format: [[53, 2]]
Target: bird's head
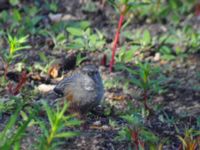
[[91, 71]]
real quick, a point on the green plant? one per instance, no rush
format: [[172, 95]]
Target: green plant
[[14, 2], [80, 59], [112, 83], [59, 41], [171, 11], [11, 135], [137, 133], [89, 7], [144, 78], [126, 55], [58, 121], [5, 106], [190, 141], [84, 39], [24, 20], [3, 16], [31, 20], [44, 65], [3, 82], [15, 44], [170, 120], [52, 5], [123, 6]]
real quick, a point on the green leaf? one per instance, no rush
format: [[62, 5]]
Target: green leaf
[[73, 122], [50, 114], [44, 129], [14, 2], [148, 136], [134, 5], [168, 57], [165, 50], [146, 37], [16, 15], [63, 110], [17, 136], [182, 141], [134, 119], [80, 59], [23, 48], [74, 46], [136, 82], [84, 24], [112, 2], [10, 124], [75, 31], [68, 134], [129, 55], [90, 7], [43, 57], [22, 39]]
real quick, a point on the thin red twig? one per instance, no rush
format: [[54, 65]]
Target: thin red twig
[[116, 40], [15, 90], [135, 139], [104, 60]]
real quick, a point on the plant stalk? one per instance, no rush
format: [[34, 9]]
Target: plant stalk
[[116, 40]]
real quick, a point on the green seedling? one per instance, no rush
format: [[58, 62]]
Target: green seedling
[[126, 55], [59, 41], [80, 59], [143, 78], [123, 6], [58, 121], [15, 45], [190, 140], [52, 5], [84, 39], [89, 7], [14, 2], [136, 133], [11, 136]]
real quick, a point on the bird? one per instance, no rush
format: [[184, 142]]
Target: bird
[[83, 90]]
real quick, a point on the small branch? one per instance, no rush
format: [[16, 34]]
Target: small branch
[[21, 82], [145, 98], [15, 90], [116, 40]]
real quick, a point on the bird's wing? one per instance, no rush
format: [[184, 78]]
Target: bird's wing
[[88, 84], [60, 87]]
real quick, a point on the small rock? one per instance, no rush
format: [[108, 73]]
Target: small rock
[[45, 88], [55, 17], [97, 123], [68, 17], [156, 57], [105, 127]]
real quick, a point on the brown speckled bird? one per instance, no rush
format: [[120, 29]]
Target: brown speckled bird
[[83, 89]]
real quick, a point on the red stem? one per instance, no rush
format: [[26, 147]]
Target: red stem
[[145, 97], [21, 83], [104, 60], [116, 41]]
